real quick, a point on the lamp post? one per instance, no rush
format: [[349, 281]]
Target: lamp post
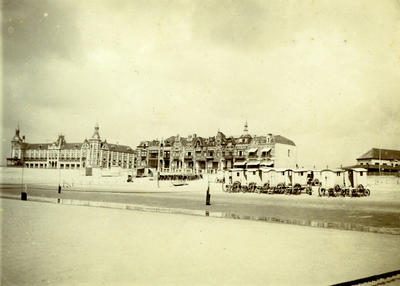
[[59, 178], [23, 193]]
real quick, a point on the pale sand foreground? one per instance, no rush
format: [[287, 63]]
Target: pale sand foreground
[[49, 244]]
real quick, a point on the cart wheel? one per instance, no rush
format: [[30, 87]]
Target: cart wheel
[[266, 188], [321, 192], [367, 192], [297, 189], [252, 187], [236, 187]]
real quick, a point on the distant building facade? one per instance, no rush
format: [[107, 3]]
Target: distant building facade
[[380, 161], [60, 154], [196, 154]]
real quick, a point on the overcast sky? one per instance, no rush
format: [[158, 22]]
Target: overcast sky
[[325, 74]]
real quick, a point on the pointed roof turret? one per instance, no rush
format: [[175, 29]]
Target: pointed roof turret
[[61, 141], [96, 134], [16, 136]]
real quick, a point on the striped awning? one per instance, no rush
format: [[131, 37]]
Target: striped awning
[[267, 163], [253, 150], [242, 163], [266, 150], [254, 163]]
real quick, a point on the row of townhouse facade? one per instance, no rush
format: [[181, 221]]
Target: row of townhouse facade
[[62, 155], [196, 154]]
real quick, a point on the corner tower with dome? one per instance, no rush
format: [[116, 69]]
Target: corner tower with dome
[[61, 154]]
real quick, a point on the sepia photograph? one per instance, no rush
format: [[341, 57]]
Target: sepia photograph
[[200, 142]]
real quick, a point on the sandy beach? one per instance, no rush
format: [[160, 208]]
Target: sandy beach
[[102, 243], [49, 244]]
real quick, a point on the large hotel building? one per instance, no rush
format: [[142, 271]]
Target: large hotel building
[[61, 154], [196, 154]]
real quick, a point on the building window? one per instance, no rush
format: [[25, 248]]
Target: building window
[[288, 153]]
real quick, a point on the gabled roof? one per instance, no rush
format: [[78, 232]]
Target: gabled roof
[[183, 141], [246, 136], [169, 141], [69, 146], [143, 144], [383, 154], [36, 146], [200, 140], [282, 140], [221, 134], [120, 148]]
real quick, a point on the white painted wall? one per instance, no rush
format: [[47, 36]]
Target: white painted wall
[[285, 156]]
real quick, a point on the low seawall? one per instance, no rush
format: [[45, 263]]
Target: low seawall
[[383, 180]]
